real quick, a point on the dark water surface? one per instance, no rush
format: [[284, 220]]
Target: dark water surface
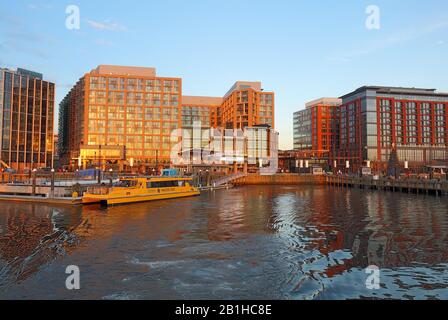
[[245, 243]]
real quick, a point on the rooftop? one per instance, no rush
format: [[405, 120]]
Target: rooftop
[[198, 100], [241, 85], [325, 101], [125, 70], [398, 90], [26, 73]]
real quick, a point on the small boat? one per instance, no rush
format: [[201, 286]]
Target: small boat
[[141, 189]]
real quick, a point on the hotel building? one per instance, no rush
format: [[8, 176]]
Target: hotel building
[[313, 127], [116, 113], [124, 116], [374, 120], [26, 120]]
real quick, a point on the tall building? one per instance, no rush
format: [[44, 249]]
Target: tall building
[[125, 116], [26, 120], [116, 113], [246, 105], [373, 120], [313, 127]]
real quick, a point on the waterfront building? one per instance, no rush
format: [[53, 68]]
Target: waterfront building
[[116, 113], [26, 120], [313, 127], [249, 150], [122, 117], [246, 104], [300, 161], [374, 120]]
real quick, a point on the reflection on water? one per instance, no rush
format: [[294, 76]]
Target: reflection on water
[[245, 243]]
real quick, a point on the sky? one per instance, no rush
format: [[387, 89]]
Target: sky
[[301, 50]]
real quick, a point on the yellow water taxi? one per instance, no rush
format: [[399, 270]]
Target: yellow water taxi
[[141, 189]]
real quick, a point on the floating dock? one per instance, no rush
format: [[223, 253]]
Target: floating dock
[[42, 200]]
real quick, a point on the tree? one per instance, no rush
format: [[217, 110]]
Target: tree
[[393, 166]]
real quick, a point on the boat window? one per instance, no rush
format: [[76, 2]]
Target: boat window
[[164, 184], [126, 183]]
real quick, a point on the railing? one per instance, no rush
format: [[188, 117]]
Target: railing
[[227, 179]]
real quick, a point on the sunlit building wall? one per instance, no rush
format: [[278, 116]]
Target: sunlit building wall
[[374, 120], [246, 104], [126, 115], [120, 106]]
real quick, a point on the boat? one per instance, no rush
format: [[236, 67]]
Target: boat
[[141, 189]]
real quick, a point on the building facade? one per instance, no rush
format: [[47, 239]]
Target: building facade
[[26, 120], [246, 105], [372, 121], [116, 113], [125, 116], [200, 109], [313, 127]]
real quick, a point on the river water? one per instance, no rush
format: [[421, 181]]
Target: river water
[[260, 242]]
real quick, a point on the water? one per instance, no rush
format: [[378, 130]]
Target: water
[[258, 242]]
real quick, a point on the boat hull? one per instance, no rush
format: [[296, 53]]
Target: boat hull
[[118, 200]]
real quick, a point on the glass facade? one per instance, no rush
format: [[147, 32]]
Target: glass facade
[[192, 114], [136, 112], [27, 116], [302, 130]]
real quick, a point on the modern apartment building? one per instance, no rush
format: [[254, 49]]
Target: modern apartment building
[[313, 127], [246, 105], [26, 120], [116, 113], [374, 120], [125, 116]]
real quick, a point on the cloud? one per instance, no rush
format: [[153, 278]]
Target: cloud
[[106, 25], [440, 42]]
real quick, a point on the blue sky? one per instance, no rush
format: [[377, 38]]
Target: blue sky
[[302, 50]]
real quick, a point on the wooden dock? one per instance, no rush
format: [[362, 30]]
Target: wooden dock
[[418, 186]]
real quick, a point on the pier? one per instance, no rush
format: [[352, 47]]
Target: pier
[[280, 179], [418, 186]]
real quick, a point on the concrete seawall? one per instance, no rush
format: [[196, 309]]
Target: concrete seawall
[[280, 179]]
